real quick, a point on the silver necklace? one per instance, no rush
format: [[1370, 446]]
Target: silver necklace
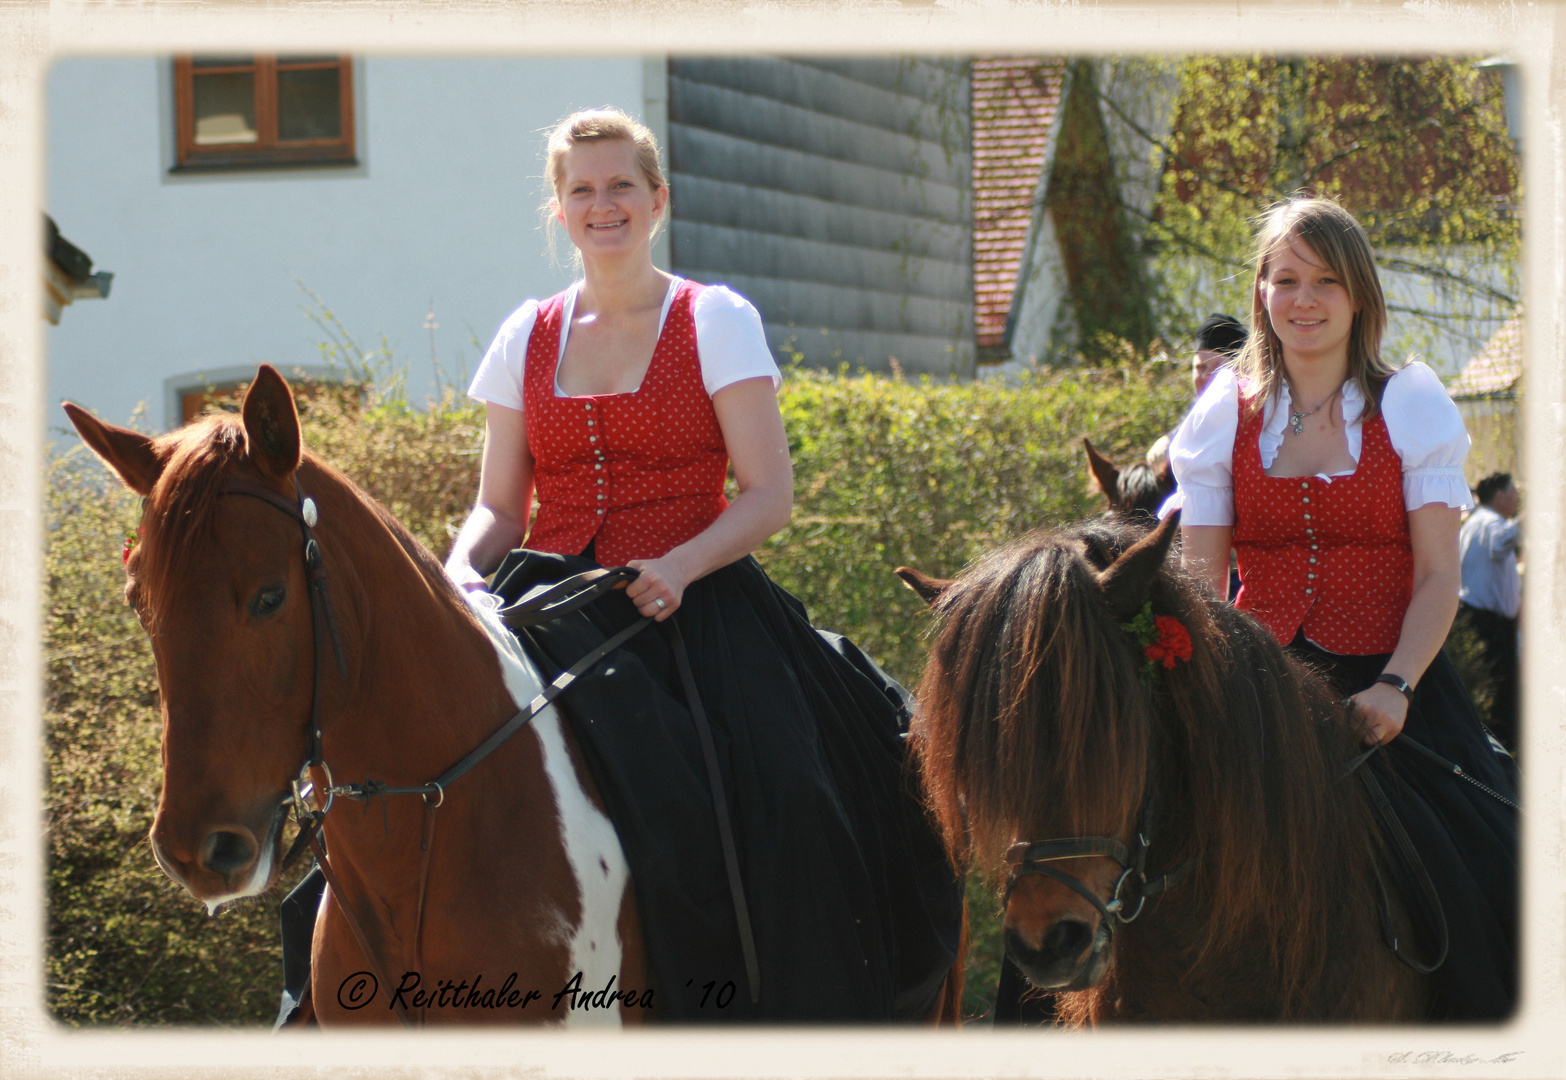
[[1297, 419]]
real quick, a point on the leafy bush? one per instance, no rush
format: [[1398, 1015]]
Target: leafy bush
[[887, 473], [891, 473]]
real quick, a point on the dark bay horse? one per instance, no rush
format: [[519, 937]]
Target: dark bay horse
[[1138, 490], [1174, 827], [522, 872]]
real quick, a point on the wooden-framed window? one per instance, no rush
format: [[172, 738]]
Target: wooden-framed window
[[188, 396], [243, 112]]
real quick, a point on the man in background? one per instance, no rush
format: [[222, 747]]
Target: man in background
[[1491, 592], [1218, 341]]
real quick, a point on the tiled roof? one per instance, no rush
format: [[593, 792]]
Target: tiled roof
[[1014, 104], [1498, 367]]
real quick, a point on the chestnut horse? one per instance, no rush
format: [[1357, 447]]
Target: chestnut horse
[[521, 871], [1178, 843], [362, 660]]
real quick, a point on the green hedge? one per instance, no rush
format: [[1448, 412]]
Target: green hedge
[[887, 472]]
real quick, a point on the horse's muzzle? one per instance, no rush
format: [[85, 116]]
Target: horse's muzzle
[[227, 862], [1071, 956]]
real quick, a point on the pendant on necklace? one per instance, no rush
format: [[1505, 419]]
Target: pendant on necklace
[[1297, 419]]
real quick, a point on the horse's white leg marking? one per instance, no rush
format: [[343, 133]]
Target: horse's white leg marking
[[591, 846]]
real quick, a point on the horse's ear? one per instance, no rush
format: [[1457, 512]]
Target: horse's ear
[[1127, 581], [129, 453], [928, 588], [271, 425], [1105, 475], [1165, 476]]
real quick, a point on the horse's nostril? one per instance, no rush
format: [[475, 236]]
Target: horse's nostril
[[226, 852], [1067, 939]]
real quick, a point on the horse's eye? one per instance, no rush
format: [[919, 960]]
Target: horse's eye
[[267, 601]]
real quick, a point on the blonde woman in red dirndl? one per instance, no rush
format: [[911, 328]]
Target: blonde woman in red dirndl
[[1337, 480], [621, 404]]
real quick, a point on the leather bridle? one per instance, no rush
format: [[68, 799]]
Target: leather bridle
[[1132, 888]]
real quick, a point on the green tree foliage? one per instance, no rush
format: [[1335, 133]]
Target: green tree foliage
[[1415, 147], [1104, 271]]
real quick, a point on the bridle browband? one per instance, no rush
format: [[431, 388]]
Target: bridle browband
[[561, 599], [1132, 888]]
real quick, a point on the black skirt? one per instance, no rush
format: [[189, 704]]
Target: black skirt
[[855, 910], [1464, 834]]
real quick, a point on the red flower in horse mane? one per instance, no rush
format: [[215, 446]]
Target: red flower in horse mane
[[130, 544], [1173, 644]]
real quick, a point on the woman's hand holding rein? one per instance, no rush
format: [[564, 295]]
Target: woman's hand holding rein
[[1381, 711]]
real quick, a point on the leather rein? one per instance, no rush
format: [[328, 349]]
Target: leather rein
[[561, 599]]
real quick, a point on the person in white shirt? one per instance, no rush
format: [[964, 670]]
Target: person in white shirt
[[1491, 592], [791, 857]]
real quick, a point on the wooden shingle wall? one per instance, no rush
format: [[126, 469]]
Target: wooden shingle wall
[[835, 194]]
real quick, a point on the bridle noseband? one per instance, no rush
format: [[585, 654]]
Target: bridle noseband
[[1133, 887]]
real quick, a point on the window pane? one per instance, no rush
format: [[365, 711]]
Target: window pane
[[225, 107], [284, 61], [221, 61], [308, 105]]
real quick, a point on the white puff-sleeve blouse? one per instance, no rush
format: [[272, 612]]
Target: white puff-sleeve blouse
[[1423, 425], [729, 340]]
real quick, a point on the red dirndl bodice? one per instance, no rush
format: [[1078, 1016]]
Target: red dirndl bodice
[[636, 474], [1331, 557]]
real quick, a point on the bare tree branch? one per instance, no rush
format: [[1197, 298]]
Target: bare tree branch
[[1440, 273], [1169, 153]]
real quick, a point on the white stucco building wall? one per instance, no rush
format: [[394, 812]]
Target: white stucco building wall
[[440, 214]]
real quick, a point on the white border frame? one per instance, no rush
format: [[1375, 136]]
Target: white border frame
[[32, 32]]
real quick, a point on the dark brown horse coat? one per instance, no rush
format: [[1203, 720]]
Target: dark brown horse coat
[[1040, 718]]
